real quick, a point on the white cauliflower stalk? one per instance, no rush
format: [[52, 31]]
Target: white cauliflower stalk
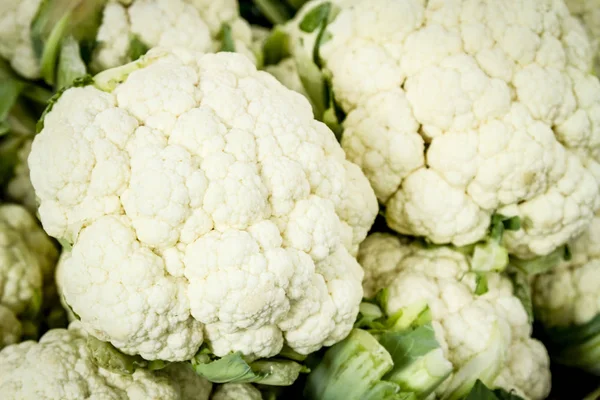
[[15, 41], [588, 11], [485, 335], [567, 302], [192, 24], [236, 391], [27, 259], [459, 110], [61, 367], [204, 204]]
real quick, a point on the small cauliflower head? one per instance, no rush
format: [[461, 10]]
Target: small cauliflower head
[[485, 336], [19, 188], [588, 11], [15, 40], [236, 391], [192, 24], [456, 110], [60, 366], [567, 302], [204, 203], [27, 258]]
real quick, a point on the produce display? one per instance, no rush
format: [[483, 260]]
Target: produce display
[[300, 199]]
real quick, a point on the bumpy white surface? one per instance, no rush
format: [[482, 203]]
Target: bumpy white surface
[[459, 109], [191, 24], [60, 367], [588, 11], [464, 322], [570, 294], [19, 188], [203, 201], [15, 41], [27, 259], [236, 391]]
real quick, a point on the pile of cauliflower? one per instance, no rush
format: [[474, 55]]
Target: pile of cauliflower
[[360, 199]]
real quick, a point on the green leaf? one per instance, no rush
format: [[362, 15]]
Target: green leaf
[[522, 290], [70, 64], [226, 36], [106, 356], [276, 47], [502, 394], [349, 369], [595, 395], [541, 264], [9, 147], [315, 18], [419, 362], [233, 368], [481, 284], [137, 48], [288, 353], [481, 392], [276, 11]]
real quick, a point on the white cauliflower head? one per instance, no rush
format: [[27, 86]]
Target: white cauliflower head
[[486, 334], [204, 203], [236, 391], [192, 24], [15, 40], [27, 258], [456, 110], [60, 366], [567, 303], [588, 11]]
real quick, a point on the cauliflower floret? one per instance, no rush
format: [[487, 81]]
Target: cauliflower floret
[[60, 367], [236, 391], [588, 11], [567, 303], [27, 259], [15, 41], [204, 203], [192, 24], [466, 325], [19, 188], [461, 109]]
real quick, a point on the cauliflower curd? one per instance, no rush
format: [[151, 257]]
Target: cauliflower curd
[[485, 336], [203, 203], [456, 110]]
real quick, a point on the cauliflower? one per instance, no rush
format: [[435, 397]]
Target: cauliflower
[[192, 24], [27, 258], [588, 11], [15, 41], [286, 72], [567, 302], [484, 335], [61, 367], [458, 110], [19, 188], [236, 391], [204, 204]]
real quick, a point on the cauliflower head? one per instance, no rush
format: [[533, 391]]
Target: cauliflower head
[[60, 367], [567, 302], [588, 11], [27, 259], [456, 110], [192, 24], [204, 203], [485, 336], [236, 391], [15, 41], [19, 188]]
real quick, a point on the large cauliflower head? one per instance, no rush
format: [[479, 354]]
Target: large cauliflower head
[[456, 110], [588, 11], [15, 40], [60, 366], [486, 334], [193, 24], [27, 259], [203, 201]]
